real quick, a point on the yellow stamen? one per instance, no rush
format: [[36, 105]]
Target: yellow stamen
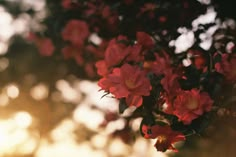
[[192, 104], [161, 139], [130, 84]]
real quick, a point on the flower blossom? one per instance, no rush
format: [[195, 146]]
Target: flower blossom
[[66, 4], [115, 51], [102, 68], [127, 82], [145, 40], [75, 31], [44, 44], [73, 52], [170, 83], [160, 65], [165, 136], [189, 105], [118, 52], [227, 67], [199, 60]]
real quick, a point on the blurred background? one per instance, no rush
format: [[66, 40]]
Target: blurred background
[[50, 107]]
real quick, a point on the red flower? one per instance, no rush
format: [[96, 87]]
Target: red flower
[[170, 83], [90, 70], [70, 4], [102, 68], [145, 40], [134, 53], [227, 67], [128, 2], [165, 136], [114, 54], [189, 105], [75, 31], [45, 46], [73, 52], [162, 19], [148, 8], [160, 66], [115, 51], [127, 82], [134, 100], [66, 4], [98, 50], [199, 60], [118, 52]]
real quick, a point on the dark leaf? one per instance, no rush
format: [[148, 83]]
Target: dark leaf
[[122, 105]]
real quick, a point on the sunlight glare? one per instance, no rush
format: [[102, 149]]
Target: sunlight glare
[[6, 25], [23, 119], [39, 92], [93, 95], [184, 41], [69, 93], [135, 124], [99, 141], [91, 118], [15, 137], [64, 131], [61, 149], [4, 100], [115, 125], [3, 48], [118, 148], [21, 24], [94, 38], [12, 91], [4, 63]]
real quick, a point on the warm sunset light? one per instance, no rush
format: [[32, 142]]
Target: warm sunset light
[[127, 78]]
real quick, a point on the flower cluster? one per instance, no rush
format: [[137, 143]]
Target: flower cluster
[[122, 76], [165, 136], [131, 45], [130, 74]]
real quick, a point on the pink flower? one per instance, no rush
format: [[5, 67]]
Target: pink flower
[[75, 31], [127, 82], [227, 67], [189, 105], [165, 136]]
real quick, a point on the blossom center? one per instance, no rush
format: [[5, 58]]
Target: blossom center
[[161, 139], [147, 64], [192, 104], [130, 84], [75, 33]]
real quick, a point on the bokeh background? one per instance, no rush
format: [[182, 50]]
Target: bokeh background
[[50, 108]]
